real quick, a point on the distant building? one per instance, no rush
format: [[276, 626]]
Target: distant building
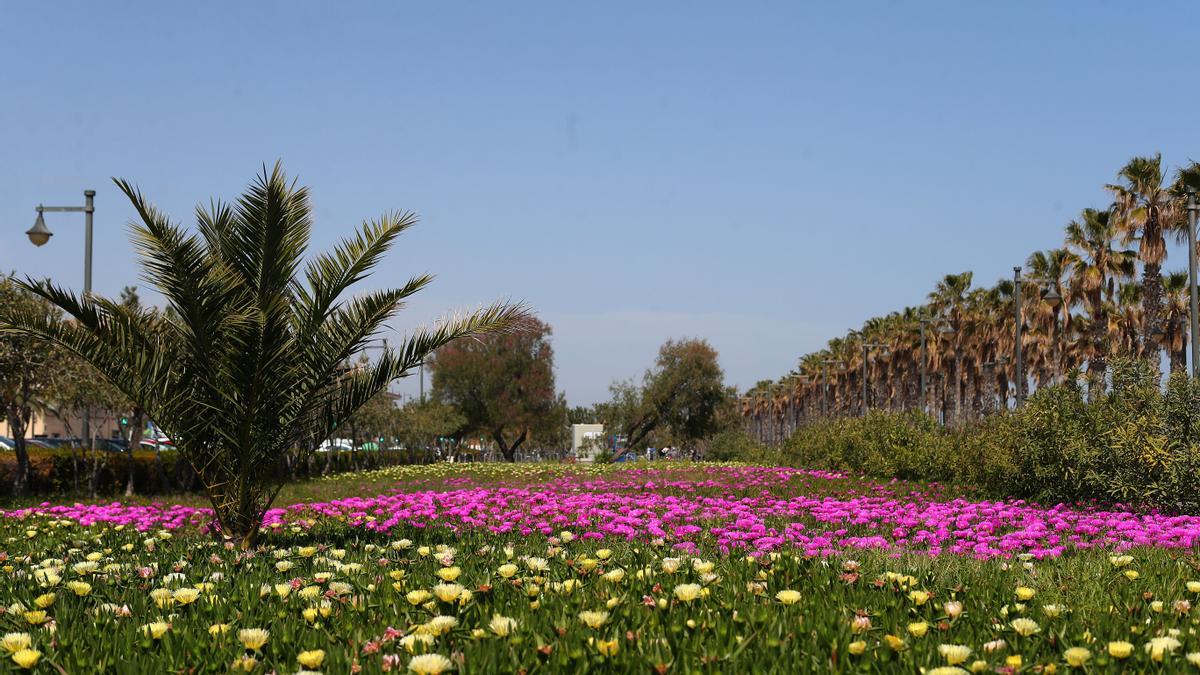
[[46, 424], [587, 440]]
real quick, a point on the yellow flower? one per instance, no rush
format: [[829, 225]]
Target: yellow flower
[[15, 642], [1193, 658], [593, 619], [245, 663], [918, 628], [614, 576], [45, 600], [449, 573], [439, 625], [788, 597], [27, 658], [1193, 586], [35, 617], [670, 565], [311, 659], [409, 642], [894, 642], [918, 597], [218, 629], [945, 670], [604, 554], [953, 609], [417, 597], [857, 647], [448, 592], [185, 596], [566, 537], [608, 647], [1077, 656], [1025, 593], [980, 667], [502, 625], [1053, 611], [156, 629], [507, 570], [860, 624], [429, 664], [310, 592], [954, 654], [1131, 574], [1025, 626], [80, 588], [687, 592], [283, 590], [306, 551], [1120, 560], [1120, 649], [1014, 661], [1158, 647], [309, 614], [253, 638]]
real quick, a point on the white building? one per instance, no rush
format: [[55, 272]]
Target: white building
[[586, 441]]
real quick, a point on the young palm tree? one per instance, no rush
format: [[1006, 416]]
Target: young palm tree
[[1147, 208], [251, 367]]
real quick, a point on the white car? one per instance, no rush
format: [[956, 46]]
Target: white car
[[338, 444]]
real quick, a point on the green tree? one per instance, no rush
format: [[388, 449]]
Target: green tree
[[28, 371], [420, 424], [502, 384], [249, 368], [683, 395]]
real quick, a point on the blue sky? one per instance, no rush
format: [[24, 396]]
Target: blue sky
[[765, 175]]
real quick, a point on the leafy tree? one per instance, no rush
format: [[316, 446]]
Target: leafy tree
[[28, 371], [249, 367], [502, 384], [683, 395], [420, 424]]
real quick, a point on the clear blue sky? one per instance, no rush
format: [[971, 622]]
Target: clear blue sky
[[765, 175]]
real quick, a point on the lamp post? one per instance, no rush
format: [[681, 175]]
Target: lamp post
[[1192, 210], [1052, 297], [944, 328], [865, 347], [825, 384], [39, 235]]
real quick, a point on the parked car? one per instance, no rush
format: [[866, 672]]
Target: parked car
[[6, 443], [38, 443], [338, 444]]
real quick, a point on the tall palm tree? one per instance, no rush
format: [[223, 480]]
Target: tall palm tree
[[1146, 209], [1095, 268], [949, 301], [1176, 317], [1049, 321], [250, 368]]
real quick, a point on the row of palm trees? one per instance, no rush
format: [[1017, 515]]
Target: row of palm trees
[[1102, 293]]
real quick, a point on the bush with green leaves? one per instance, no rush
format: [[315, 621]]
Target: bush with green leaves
[[1139, 443]]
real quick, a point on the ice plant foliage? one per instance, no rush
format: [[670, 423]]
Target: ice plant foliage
[[730, 508], [710, 568]]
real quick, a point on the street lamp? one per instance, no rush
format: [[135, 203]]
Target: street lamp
[[825, 384], [1192, 210], [944, 328], [865, 347], [39, 235]]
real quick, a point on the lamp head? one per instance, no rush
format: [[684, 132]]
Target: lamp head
[[39, 234], [1052, 297]]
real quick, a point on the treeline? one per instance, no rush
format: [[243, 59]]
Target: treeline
[[1102, 294]]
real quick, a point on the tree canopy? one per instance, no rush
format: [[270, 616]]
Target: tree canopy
[[503, 385]]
